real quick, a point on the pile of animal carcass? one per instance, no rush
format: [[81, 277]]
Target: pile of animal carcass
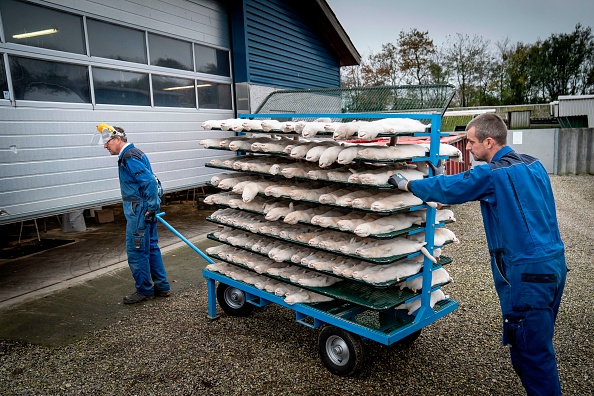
[[300, 202]]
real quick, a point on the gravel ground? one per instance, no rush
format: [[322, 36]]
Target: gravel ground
[[170, 347]]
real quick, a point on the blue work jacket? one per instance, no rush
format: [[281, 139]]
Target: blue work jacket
[[517, 204], [137, 181]]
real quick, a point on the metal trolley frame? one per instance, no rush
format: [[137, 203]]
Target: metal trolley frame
[[344, 322]]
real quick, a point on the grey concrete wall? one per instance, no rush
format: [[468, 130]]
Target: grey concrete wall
[[539, 143], [575, 150]]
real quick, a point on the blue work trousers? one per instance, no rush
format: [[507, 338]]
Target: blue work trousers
[[530, 294], [144, 255]]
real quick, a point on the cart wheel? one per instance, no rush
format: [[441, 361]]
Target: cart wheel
[[233, 301], [409, 339], [340, 351]]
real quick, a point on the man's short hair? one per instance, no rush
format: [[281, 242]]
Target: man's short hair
[[489, 125], [123, 134]]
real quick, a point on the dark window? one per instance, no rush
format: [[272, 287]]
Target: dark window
[[121, 87], [168, 52], [34, 79], [3, 81], [211, 60], [37, 26], [173, 92], [116, 42], [213, 95]]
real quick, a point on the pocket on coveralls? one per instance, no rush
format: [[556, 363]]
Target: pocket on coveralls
[[513, 331], [537, 290]]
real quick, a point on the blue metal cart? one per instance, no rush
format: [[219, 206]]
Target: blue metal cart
[[357, 312]]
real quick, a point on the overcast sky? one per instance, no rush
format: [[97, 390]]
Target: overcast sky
[[371, 23]]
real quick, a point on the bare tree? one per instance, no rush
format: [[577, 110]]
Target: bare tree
[[382, 68], [464, 59], [350, 77], [503, 51], [415, 51]]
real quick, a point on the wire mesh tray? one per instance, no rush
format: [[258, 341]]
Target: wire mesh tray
[[378, 260]]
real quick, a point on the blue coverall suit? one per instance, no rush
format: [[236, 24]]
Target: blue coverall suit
[[527, 254], [140, 193]]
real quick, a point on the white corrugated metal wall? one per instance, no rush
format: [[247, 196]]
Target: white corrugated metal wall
[[47, 165], [577, 106]]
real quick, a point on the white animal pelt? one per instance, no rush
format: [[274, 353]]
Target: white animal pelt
[[311, 129], [252, 189], [215, 124], [347, 129], [441, 236], [388, 248], [395, 271], [317, 280], [436, 296], [438, 276], [397, 200], [370, 130], [386, 224], [271, 125], [397, 152], [306, 297], [447, 149]]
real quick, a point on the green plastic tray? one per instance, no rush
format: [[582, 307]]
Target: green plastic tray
[[364, 295], [443, 261]]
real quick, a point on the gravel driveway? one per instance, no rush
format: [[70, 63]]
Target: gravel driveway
[[169, 347]]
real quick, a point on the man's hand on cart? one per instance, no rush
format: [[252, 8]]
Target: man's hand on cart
[[149, 216], [398, 180]]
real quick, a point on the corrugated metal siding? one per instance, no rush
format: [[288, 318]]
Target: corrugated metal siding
[[519, 119], [577, 106], [284, 49], [55, 169]]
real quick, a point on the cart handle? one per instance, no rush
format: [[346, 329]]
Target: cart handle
[[190, 244]]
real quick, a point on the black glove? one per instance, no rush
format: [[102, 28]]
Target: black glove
[[397, 180], [149, 216], [437, 170]]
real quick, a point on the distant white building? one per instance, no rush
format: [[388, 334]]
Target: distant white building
[[574, 111]]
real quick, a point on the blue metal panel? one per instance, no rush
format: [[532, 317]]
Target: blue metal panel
[[285, 49]]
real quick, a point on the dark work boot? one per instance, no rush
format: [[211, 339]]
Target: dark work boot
[[136, 298], [162, 293]]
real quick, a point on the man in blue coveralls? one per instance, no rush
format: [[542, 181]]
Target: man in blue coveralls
[[527, 254], [140, 196]]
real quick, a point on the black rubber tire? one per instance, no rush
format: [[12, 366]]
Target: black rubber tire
[[409, 339], [340, 351], [232, 300]]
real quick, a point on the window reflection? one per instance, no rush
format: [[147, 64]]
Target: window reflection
[[121, 87], [116, 42], [37, 26], [169, 52], [173, 92], [3, 80], [211, 60], [213, 95], [34, 79]]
